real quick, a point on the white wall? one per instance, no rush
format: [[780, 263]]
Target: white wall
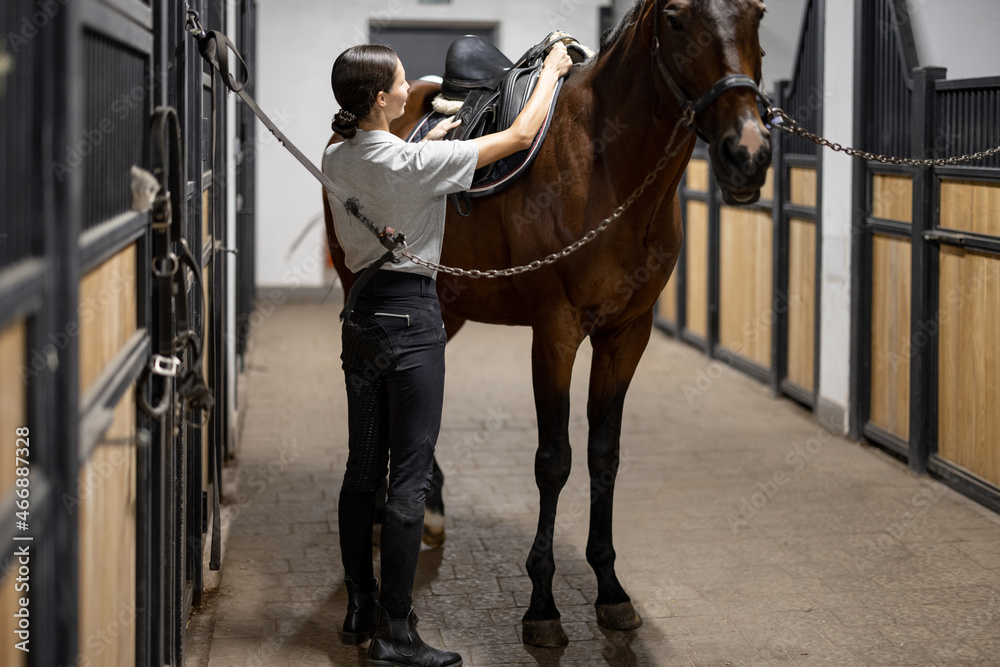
[[838, 125], [298, 42], [958, 34]]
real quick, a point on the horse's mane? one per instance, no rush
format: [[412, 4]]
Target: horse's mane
[[612, 35]]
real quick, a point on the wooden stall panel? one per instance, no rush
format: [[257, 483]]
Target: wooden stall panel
[[971, 206], [890, 336], [13, 415], [697, 175], [107, 313], [106, 506], [892, 198], [767, 192], [696, 238], [802, 186], [802, 304], [13, 397], [668, 302], [969, 362], [745, 304]]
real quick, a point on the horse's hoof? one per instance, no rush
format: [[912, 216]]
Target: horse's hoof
[[544, 634], [621, 616], [433, 535]]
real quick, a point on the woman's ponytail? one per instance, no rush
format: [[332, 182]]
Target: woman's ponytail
[[345, 124]]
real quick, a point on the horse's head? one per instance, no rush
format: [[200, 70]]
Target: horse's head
[[711, 61]]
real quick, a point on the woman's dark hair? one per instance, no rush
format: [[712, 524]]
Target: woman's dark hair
[[359, 74]]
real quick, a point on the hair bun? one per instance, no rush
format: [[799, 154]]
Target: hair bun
[[345, 123]]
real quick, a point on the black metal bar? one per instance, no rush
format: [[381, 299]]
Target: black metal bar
[[799, 211], [713, 267], [860, 352], [779, 263], [889, 228], [923, 308], [97, 406], [969, 173], [760, 373], [889, 441], [694, 340], [972, 241], [680, 271], [800, 160], [126, 28], [799, 394], [965, 482], [106, 240]]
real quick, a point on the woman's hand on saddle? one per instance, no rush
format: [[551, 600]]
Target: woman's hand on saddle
[[558, 60], [441, 130]]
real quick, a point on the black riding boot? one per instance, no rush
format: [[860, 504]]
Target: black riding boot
[[362, 613], [397, 643]]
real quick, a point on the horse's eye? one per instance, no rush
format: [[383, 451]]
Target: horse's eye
[[675, 23]]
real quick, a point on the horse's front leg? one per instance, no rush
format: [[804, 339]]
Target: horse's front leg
[[552, 356], [616, 356]]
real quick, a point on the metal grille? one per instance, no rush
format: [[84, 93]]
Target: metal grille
[[116, 109], [805, 95], [20, 224], [967, 119], [890, 85]]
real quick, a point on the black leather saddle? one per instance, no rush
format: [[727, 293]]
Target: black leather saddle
[[492, 91], [471, 63]]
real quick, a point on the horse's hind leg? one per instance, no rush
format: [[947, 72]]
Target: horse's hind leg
[[616, 356], [552, 367]]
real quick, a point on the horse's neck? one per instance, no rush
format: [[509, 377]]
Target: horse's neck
[[627, 94]]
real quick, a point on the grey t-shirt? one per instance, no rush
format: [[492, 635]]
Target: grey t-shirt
[[400, 185]]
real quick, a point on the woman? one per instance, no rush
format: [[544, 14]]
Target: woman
[[393, 339]]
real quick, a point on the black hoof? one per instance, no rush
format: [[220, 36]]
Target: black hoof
[[544, 634], [621, 616], [433, 535]]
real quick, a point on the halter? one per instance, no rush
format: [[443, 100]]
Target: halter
[[691, 108]]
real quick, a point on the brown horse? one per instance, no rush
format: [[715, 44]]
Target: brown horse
[[613, 119]]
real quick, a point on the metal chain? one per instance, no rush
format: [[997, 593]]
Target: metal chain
[[794, 128], [669, 152]]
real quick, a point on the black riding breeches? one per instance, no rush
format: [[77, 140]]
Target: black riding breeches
[[393, 360]]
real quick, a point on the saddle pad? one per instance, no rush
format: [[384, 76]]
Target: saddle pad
[[502, 173]]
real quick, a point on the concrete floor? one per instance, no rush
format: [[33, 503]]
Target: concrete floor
[[745, 533]]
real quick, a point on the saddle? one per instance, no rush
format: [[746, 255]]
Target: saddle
[[486, 91]]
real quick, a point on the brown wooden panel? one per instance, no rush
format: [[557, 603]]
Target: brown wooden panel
[[971, 206], [206, 203], [668, 302], [969, 362], [107, 313], [106, 506], [890, 342], [746, 310], [696, 238], [697, 175], [767, 192], [13, 397], [892, 197], [802, 186], [802, 303], [13, 415]]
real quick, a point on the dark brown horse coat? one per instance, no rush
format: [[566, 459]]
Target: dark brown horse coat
[[613, 119]]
